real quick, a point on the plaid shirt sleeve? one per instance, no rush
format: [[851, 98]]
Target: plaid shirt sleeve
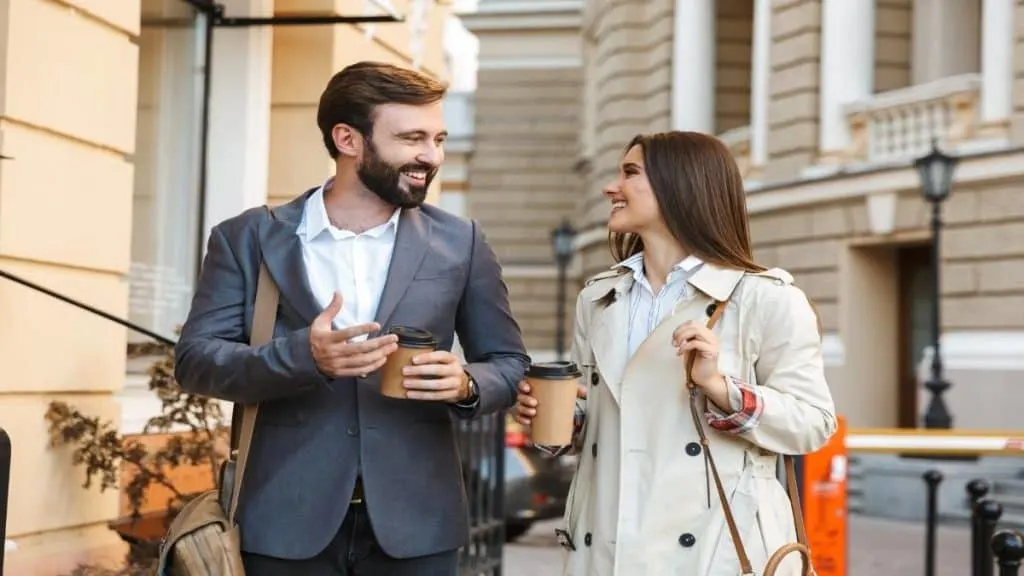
[[577, 427], [747, 404]]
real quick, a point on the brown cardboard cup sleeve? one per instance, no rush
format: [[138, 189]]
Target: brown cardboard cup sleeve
[[554, 386]]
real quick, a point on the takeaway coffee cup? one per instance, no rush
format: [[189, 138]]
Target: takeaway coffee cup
[[411, 342], [554, 385]]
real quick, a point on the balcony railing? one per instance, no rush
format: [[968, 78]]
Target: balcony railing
[[900, 124], [738, 141]]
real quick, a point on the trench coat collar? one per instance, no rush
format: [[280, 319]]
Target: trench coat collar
[[716, 281]]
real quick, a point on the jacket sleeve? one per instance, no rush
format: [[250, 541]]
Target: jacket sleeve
[[491, 338], [213, 357], [798, 413]]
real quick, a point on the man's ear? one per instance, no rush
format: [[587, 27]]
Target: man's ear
[[348, 140]]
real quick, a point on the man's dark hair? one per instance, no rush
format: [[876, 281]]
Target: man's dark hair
[[353, 94]]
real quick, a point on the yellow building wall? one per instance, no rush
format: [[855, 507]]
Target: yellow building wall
[[67, 116]]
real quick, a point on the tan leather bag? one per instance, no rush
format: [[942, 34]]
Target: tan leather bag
[[800, 546], [203, 539]]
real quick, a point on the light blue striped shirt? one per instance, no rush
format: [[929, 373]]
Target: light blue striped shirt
[[647, 309]]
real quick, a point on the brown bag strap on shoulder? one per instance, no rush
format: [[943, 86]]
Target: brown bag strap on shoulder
[[709, 462], [264, 317]]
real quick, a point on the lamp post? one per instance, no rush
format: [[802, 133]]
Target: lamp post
[[936, 174], [562, 239]]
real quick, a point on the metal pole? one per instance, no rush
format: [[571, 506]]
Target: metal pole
[[87, 308], [1008, 547], [932, 478], [937, 415], [5, 481], [560, 310], [989, 512], [976, 490]]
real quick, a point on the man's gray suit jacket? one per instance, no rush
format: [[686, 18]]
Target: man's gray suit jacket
[[313, 434]]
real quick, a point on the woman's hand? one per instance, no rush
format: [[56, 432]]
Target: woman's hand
[[526, 405], [698, 339]]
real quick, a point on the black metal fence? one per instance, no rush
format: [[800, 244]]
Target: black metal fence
[[989, 549], [482, 447]]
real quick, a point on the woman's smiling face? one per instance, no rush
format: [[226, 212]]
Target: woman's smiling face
[[634, 207]]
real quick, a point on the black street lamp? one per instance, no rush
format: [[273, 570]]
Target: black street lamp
[[936, 173], [562, 239]]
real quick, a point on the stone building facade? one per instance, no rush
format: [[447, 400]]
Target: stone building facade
[[825, 103]]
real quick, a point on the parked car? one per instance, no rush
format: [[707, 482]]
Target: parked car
[[536, 485]]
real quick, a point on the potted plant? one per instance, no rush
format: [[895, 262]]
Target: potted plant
[[196, 437]]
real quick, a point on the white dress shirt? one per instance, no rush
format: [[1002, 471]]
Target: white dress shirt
[[342, 261]]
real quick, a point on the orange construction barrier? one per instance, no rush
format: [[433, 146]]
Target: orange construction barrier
[[824, 503]]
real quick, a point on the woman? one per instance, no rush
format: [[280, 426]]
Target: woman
[[643, 502]]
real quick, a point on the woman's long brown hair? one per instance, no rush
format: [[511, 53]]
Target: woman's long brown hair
[[699, 190]]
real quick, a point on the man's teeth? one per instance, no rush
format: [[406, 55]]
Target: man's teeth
[[416, 175]]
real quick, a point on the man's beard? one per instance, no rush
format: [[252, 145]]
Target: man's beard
[[385, 180]]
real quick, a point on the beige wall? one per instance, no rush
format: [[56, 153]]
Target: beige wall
[[794, 85], [735, 27], [305, 58], [68, 119], [893, 29], [1017, 126]]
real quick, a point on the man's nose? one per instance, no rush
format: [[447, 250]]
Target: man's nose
[[432, 154]]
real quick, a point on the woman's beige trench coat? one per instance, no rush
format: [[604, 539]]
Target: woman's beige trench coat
[[639, 504]]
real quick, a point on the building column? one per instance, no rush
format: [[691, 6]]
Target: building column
[[72, 169], [693, 66], [847, 67], [997, 40], [760, 89]]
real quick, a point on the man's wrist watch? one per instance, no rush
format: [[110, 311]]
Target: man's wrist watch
[[474, 390]]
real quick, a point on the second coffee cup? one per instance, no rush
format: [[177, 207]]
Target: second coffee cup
[[411, 342], [554, 385]]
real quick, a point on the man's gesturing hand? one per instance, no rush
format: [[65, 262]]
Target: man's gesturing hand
[[336, 356]]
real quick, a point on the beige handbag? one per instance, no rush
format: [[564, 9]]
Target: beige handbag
[[800, 546], [203, 540]]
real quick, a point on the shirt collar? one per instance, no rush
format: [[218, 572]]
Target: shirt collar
[[635, 263], [315, 219]]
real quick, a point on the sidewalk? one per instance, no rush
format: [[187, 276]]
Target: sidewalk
[[877, 548]]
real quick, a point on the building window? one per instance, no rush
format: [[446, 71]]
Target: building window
[[166, 202]]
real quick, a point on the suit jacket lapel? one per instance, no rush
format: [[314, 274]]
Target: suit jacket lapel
[[411, 243], [282, 251]]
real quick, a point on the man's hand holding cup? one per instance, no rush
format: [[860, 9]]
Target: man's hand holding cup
[[436, 376], [336, 355]]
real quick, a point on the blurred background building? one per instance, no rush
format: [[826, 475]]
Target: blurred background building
[[825, 104], [128, 144]]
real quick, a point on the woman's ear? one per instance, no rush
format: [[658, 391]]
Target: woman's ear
[[347, 140]]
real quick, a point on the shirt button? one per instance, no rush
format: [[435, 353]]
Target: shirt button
[[353, 430], [595, 378], [587, 539], [687, 540], [693, 449], [593, 449]]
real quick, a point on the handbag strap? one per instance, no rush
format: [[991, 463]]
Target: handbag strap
[[709, 462], [264, 316]]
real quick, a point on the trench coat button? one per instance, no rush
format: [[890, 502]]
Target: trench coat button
[[593, 449], [693, 449], [587, 539], [595, 378], [710, 309], [687, 540]]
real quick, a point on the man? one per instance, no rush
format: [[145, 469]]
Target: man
[[341, 479]]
